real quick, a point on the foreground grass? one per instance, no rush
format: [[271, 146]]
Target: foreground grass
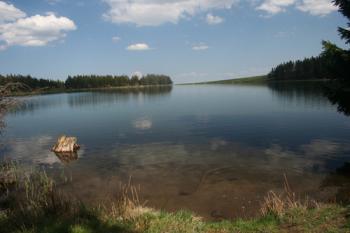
[[328, 218], [30, 202]]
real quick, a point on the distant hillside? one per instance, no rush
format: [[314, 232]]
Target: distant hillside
[[247, 80]]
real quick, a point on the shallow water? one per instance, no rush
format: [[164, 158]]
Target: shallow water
[[213, 149]]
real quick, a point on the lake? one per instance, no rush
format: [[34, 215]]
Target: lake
[[213, 149]]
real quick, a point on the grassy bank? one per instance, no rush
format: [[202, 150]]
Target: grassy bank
[[31, 202], [256, 80], [248, 80]]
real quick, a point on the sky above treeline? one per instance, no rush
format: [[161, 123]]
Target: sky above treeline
[[190, 40]]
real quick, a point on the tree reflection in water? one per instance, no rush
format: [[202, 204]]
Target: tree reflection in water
[[316, 93], [339, 94]]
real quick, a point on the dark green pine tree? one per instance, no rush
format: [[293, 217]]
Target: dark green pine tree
[[337, 60], [344, 8]]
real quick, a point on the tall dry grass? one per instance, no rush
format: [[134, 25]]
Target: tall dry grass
[[26, 196], [33, 194], [128, 204], [278, 204]]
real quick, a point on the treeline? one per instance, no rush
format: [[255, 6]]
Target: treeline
[[31, 82], [307, 69], [95, 81], [333, 62], [86, 81]]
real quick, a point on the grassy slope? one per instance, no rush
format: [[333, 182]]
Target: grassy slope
[[248, 80], [256, 80]]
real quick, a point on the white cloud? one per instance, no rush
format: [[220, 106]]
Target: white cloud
[[212, 19], [275, 6], [313, 7], [138, 47], [317, 7], [38, 30], [200, 46], [9, 13], [157, 12], [116, 39]]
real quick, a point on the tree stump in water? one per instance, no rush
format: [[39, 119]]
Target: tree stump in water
[[66, 144]]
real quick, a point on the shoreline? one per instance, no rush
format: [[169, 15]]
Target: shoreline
[[35, 204], [60, 91]]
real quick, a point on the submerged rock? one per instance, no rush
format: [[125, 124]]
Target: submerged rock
[[66, 144]]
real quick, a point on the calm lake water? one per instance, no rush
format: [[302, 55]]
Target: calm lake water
[[212, 149]]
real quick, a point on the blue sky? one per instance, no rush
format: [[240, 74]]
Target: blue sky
[[190, 40]]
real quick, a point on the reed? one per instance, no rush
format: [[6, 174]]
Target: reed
[[128, 204], [279, 204]]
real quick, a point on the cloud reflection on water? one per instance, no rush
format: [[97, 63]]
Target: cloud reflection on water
[[143, 124], [217, 151]]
